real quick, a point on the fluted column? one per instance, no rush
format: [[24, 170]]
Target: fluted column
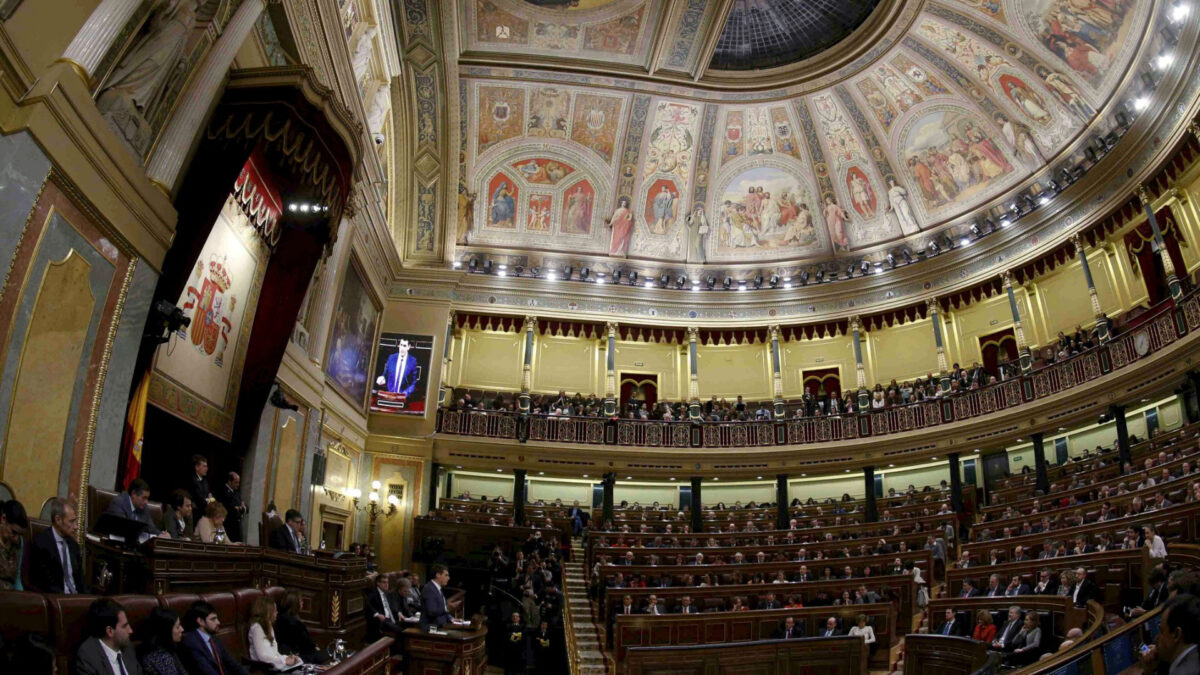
[[97, 36], [527, 368], [776, 373], [943, 368], [693, 335], [1102, 333], [1173, 285], [860, 375], [446, 351], [167, 161], [610, 374], [1026, 358]]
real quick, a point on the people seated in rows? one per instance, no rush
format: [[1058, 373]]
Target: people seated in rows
[[55, 563], [862, 629], [1003, 641], [985, 628], [788, 630], [382, 611], [1026, 644], [291, 632], [831, 629], [13, 524], [131, 504], [261, 645], [177, 515], [200, 650], [951, 625]]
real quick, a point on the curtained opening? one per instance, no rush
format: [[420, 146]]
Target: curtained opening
[[997, 348], [639, 389], [1139, 245], [823, 383]]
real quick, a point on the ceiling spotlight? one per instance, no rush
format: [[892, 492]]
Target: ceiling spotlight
[[741, 285], [664, 280], [680, 281], [695, 285], [617, 277], [774, 281], [949, 242], [965, 241], [908, 258], [551, 275], [820, 276], [518, 270], [975, 231], [487, 267], [891, 261], [584, 273], [535, 271], [457, 264], [1141, 103], [599, 277], [710, 282], [648, 284], [804, 277], [473, 264], [727, 283], [1164, 60], [934, 248], [633, 277], [566, 275], [1180, 11], [758, 279], [850, 270], [865, 267]]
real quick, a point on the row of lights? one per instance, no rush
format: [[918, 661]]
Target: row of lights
[[1022, 206], [306, 207]]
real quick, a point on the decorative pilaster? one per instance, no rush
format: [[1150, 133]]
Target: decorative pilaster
[[1026, 358], [610, 377], [776, 374], [530, 329], [943, 368], [693, 335], [198, 96], [1173, 285], [864, 396], [447, 349], [97, 37], [1102, 333]]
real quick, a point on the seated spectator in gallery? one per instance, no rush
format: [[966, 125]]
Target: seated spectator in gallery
[[211, 528], [55, 563], [261, 645], [13, 523], [788, 630], [108, 647], [177, 517], [131, 504], [158, 648]]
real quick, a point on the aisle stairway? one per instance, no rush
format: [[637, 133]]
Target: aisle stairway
[[587, 639]]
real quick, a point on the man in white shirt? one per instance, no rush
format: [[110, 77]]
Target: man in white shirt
[[1004, 639], [108, 650]]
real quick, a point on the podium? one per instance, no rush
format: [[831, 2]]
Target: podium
[[458, 652]]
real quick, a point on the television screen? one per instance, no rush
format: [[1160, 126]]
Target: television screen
[[401, 374]]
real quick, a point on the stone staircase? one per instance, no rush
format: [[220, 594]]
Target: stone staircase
[[585, 636]]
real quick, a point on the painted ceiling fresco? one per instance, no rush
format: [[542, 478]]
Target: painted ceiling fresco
[[974, 99], [768, 33]]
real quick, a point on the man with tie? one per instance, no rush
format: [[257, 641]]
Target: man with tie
[[400, 372], [951, 626], [107, 651], [131, 504], [831, 629], [968, 589], [769, 603], [1085, 588], [1016, 587], [287, 538], [788, 630], [1004, 638], [55, 565], [200, 650], [686, 606], [434, 611], [199, 482], [994, 590], [652, 607], [383, 612]]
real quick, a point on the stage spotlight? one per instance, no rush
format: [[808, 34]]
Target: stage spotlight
[[710, 282], [633, 277], [664, 280], [517, 270], [934, 248], [820, 276], [758, 279], [487, 267], [680, 281], [891, 261], [566, 274], [584, 273], [535, 271], [908, 258], [804, 277], [473, 265], [617, 277], [865, 267], [727, 283], [774, 281]]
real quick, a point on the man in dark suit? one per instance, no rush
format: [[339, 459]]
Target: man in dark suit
[[131, 504], [1085, 588], [1016, 587], [55, 565], [199, 481], [579, 518], [652, 607], [788, 630], [287, 538], [107, 651], [383, 612], [1004, 637], [994, 589], [952, 626], [831, 629], [770, 602], [200, 650], [1047, 584], [686, 606], [1156, 595], [177, 517], [230, 496], [968, 589], [434, 611]]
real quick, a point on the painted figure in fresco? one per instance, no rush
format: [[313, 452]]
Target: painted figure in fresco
[[698, 230], [664, 211], [861, 194], [503, 207], [800, 230], [577, 217], [466, 214], [898, 204], [621, 223], [835, 220]]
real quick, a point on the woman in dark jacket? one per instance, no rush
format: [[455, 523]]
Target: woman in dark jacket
[[161, 633], [292, 635]]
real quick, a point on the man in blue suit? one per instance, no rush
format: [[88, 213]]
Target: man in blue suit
[[200, 649], [433, 599], [401, 372], [131, 504]]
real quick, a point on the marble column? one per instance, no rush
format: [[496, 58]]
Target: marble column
[[610, 371], [1039, 462], [776, 374], [956, 488], [1173, 286], [697, 511], [860, 375], [693, 335], [193, 105], [783, 515], [434, 469], [1117, 412], [1026, 359], [97, 36], [523, 400], [1102, 333], [519, 496], [872, 505], [447, 347], [943, 368]]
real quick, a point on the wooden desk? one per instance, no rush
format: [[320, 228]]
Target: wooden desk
[[942, 655], [370, 660], [331, 601], [1120, 576], [458, 652], [811, 656]]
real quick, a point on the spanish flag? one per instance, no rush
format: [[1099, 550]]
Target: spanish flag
[[135, 425]]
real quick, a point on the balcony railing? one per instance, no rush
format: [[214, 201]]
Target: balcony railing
[[1150, 332]]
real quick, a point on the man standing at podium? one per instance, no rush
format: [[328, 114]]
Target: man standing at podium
[[433, 599]]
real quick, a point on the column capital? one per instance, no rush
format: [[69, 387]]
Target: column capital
[[1144, 195], [693, 334], [931, 306], [531, 323], [1007, 278], [1077, 242], [450, 317], [1194, 127], [610, 329], [855, 323], [774, 331]]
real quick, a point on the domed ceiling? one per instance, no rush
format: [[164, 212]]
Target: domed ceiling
[[580, 138]]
